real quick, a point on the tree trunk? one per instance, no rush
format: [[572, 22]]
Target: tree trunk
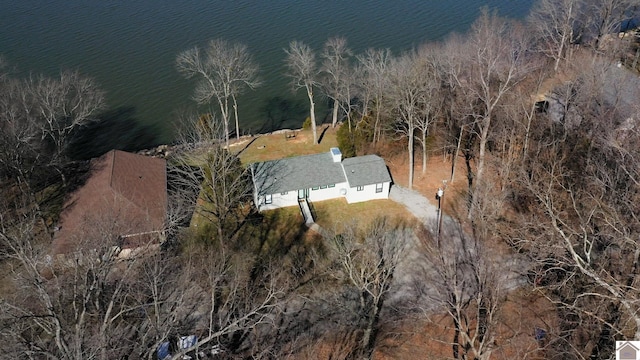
[[376, 125], [455, 155], [559, 55], [484, 134], [312, 114], [335, 113], [370, 332], [369, 338], [527, 134], [235, 113], [455, 347], [424, 151], [411, 156], [467, 159], [224, 111]]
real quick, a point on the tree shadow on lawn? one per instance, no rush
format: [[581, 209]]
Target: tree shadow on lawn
[[285, 248], [280, 238]]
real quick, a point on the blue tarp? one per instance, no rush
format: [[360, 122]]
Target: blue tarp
[[163, 351], [186, 342]]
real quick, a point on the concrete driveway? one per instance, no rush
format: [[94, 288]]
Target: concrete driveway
[[415, 202]]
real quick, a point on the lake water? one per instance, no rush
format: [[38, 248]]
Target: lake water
[[129, 47]]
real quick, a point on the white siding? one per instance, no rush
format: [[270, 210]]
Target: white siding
[[291, 198], [368, 193], [328, 193], [278, 201], [353, 195]]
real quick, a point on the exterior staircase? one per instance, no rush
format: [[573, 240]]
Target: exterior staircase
[[306, 212]]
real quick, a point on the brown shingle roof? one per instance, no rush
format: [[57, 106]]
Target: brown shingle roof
[[125, 194]]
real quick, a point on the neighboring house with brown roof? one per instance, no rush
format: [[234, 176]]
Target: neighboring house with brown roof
[[123, 203]]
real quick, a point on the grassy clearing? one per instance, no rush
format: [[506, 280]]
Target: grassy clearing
[[268, 234], [335, 215], [278, 146], [277, 233]]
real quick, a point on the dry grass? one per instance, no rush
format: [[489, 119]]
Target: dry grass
[[335, 215], [431, 337], [438, 169], [515, 328], [278, 146]]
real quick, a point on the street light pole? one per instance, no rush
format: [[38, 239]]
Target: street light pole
[[439, 196]]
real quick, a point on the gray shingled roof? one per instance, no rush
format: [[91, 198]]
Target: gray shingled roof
[[365, 170], [295, 173]]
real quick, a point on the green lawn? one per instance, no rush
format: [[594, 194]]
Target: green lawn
[[277, 146], [334, 215]]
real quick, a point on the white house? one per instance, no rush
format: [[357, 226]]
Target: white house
[[283, 182]]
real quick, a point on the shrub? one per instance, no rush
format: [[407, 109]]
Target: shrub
[[306, 125], [346, 141]]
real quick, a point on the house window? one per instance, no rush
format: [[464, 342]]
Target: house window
[[268, 199], [379, 188], [315, 188], [323, 186], [332, 185], [360, 188], [284, 193]]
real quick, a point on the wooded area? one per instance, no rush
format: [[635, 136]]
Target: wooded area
[[543, 113]]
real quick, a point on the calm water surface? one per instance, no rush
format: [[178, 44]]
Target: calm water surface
[[129, 47]]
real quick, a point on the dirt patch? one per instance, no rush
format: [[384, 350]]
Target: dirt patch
[[431, 337], [438, 169]]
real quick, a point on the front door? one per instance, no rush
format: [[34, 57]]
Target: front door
[[302, 194]]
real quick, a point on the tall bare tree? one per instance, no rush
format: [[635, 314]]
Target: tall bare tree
[[558, 25], [375, 66], [235, 309], [494, 64], [91, 304], [38, 117], [335, 70], [368, 264], [224, 70], [462, 279], [408, 96], [433, 96], [215, 173], [71, 307], [608, 16], [303, 70]]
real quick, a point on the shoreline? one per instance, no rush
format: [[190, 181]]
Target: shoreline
[[165, 150]]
